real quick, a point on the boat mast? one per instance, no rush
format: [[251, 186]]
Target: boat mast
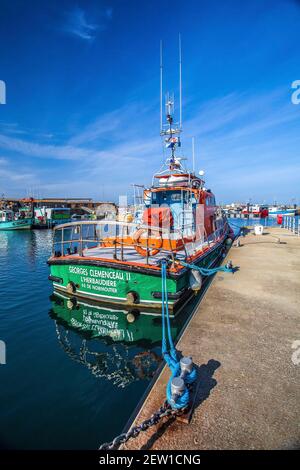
[[171, 131], [161, 88], [180, 85], [193, 150]]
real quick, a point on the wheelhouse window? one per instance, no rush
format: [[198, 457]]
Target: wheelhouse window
[[210, 201], [170, 197]]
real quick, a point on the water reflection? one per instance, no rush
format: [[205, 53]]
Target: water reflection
[[102, 369], [122, 346]]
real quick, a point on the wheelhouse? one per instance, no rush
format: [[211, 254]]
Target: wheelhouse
[[6, 215]]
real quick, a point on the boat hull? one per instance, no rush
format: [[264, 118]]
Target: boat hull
[[21, 224], [111, 283], [282, 212]]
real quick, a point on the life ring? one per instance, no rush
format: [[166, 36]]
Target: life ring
[[153, 247]]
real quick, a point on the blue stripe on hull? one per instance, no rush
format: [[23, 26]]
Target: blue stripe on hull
[[16, 225]]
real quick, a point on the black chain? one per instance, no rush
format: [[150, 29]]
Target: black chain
[[164, 410]]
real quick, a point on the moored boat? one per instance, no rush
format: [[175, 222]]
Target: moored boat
[[119, 261], [11, 221], [255, 210], [48, 217], [281, 210]]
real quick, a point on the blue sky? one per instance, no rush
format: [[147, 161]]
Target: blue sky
[[82, 111]]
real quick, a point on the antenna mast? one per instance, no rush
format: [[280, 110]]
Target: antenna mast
[[171, 130], [180, 85], [193, 150], [161, 87]]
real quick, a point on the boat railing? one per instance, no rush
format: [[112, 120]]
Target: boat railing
[[76, 238], [73, 238]]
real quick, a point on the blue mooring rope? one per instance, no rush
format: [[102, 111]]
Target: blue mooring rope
[[209, 271], [171, 355]]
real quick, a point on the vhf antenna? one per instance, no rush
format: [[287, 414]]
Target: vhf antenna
[[180, 85], [193, 150], [161, 88], [168, 96]]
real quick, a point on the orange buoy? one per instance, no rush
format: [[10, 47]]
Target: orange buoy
[[154, 244]]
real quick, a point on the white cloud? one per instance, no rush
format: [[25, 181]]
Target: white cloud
[[102, 126], [77, 24], [33, 149], [239, 138], [14, 175]]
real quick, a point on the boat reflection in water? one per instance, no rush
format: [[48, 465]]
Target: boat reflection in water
[[119, 345]]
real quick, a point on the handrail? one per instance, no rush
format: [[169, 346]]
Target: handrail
[[117, 239], [123, 224], [95, 222], [113, 222]]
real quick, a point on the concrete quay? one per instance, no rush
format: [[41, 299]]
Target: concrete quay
[[244, 338]]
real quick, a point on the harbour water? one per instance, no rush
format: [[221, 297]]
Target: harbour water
[[64, 387], [242, 222]]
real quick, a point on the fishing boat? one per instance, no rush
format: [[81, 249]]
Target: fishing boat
[[255, 210], [281, 210], [119, 261], [48, 217], [12, 221]]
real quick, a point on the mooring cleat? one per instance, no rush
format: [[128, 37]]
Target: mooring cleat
[[229, 265]]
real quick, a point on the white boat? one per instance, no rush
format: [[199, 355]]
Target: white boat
[[280, 210], [256, 210]]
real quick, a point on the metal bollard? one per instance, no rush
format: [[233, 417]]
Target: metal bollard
[[186, 366], [177, 388]]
